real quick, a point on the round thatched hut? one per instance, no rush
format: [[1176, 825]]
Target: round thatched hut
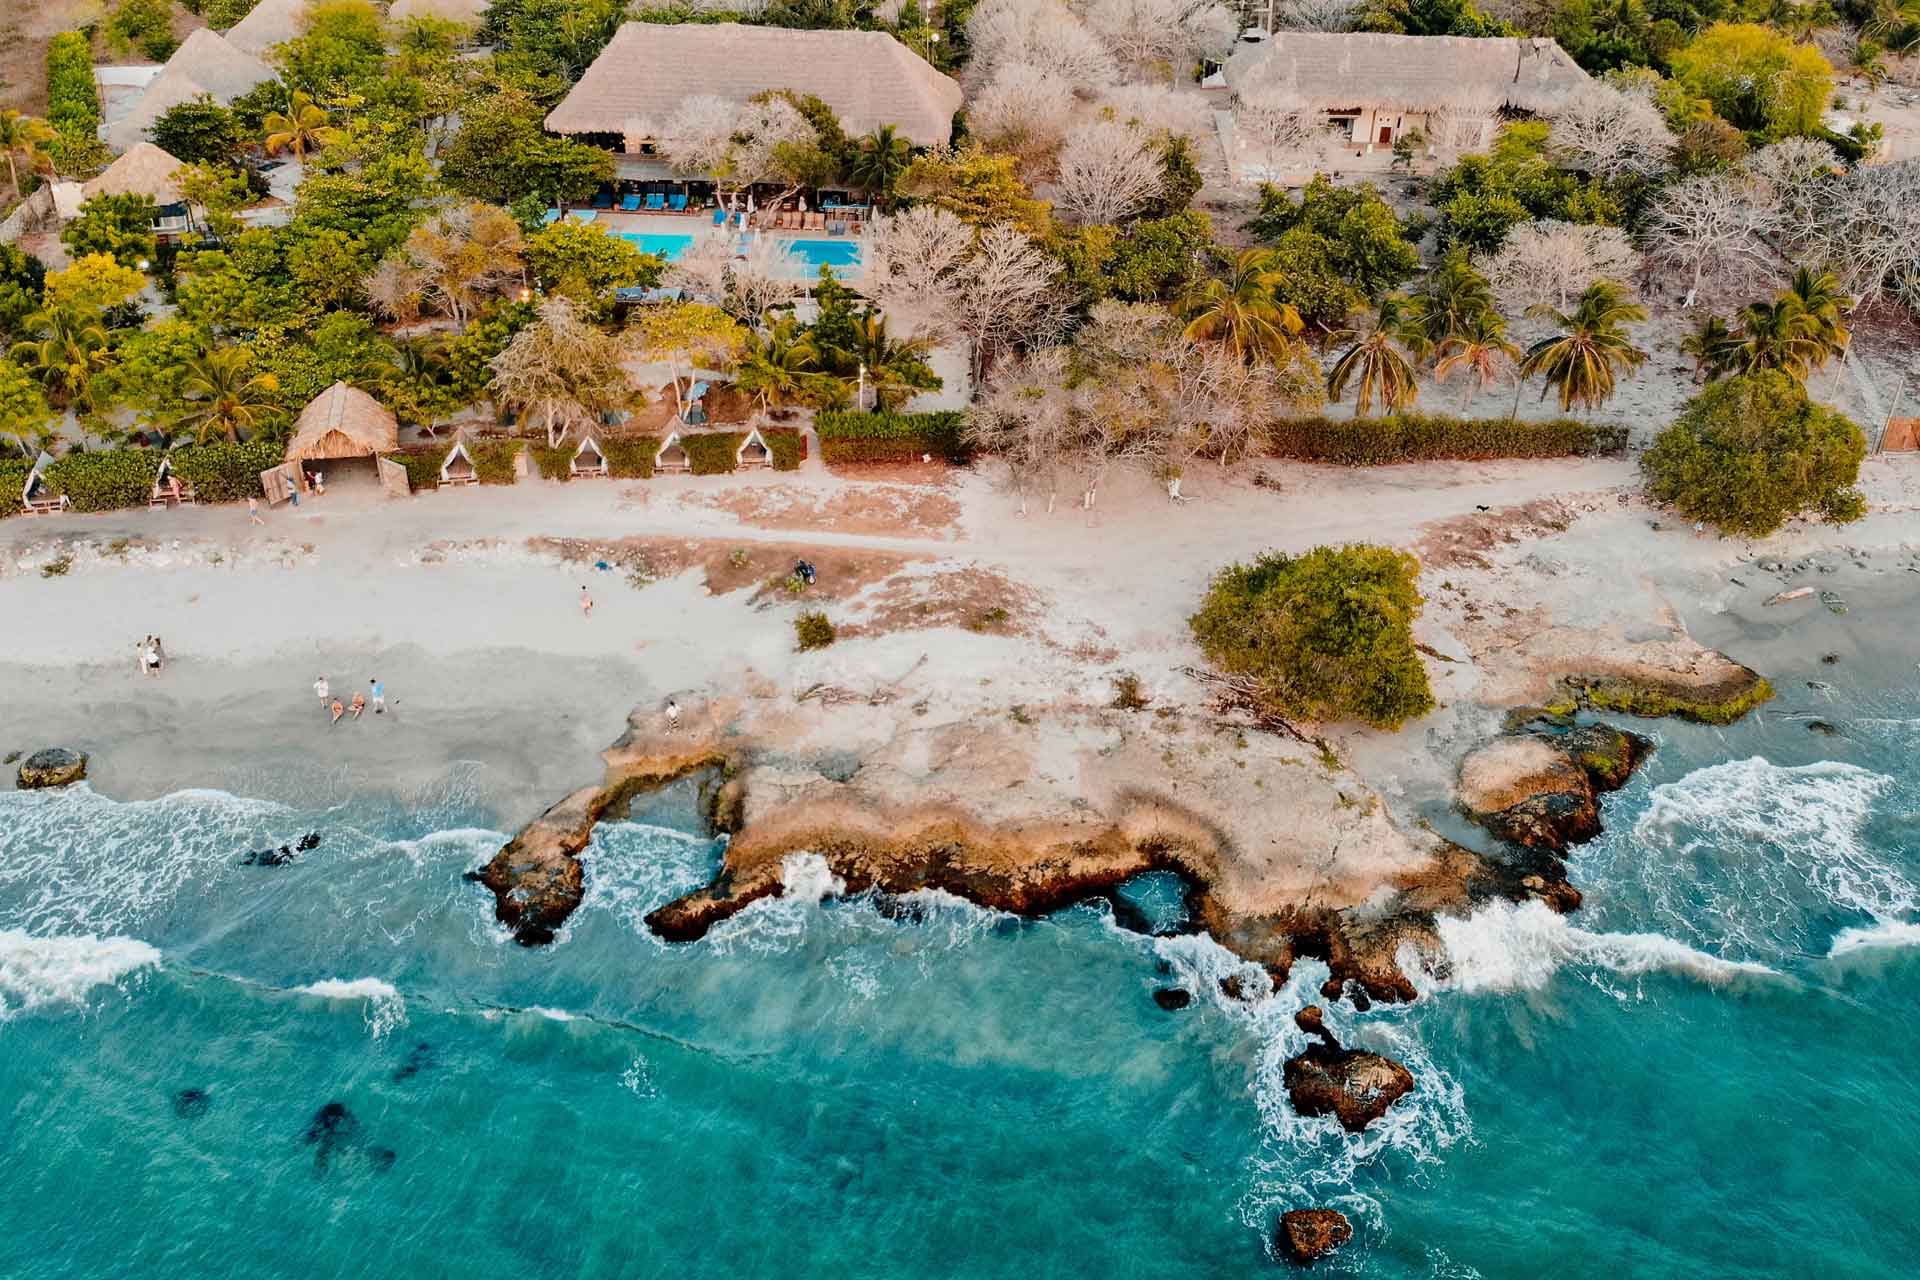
[[340, 436]]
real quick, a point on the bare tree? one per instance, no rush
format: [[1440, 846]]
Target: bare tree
[[767, 272], [1158, 109], [1466, 123], [1869, 234], [701, 268], [463, 253], [1317, 15], [1025, 417], [739, 144], [1602, 131], [1024, 112], [1549, 263], [1282, 129], [397, 287], [1715, 227], [1108, 173], [697, 137], [1041, 33], [1161, 37], [1006, 293], [912, 261], [1795, 173], [561, 370]]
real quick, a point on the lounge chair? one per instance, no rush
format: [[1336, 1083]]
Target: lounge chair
[[677, 202], [602, 199], [550, 217], [656, 202], [630, 203], [719, 217], [816, 222]]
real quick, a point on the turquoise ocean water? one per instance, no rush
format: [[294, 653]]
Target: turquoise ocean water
[[1708, 1072]]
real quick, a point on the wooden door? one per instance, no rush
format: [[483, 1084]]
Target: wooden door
[[393, 478], [277, 484], [1386, 134]]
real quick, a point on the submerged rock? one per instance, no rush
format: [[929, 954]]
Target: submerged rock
[[1307, 1235], [419, 1059], [1171, 998], [332, 1129], [1353, 1085], [52, 767], [191, 1104]]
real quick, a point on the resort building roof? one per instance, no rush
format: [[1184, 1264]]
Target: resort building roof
[[343, 422], [1406, 73], [270, 23], [867, 77], [206, 63], [145, 170]]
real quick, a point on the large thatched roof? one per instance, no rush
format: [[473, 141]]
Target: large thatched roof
[[270, 23], [1405, 73], [466, 12], [867, 77], [343, 422], [206, 63], [145, 170]]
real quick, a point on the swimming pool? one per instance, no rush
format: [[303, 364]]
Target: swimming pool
[[813, 254]]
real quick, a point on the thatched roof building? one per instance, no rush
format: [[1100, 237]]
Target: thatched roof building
[[1411, 74], [465, 12], [343, 422], [272, 22], [206, 64], [145, 170], [867, 77]]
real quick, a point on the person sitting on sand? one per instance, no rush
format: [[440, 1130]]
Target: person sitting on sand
[[359, 704], [337, 710]]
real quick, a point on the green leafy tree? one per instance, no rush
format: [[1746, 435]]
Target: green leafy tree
[[1323, 636], [22, 138], [149, 368], [781, 367], [197, 132], [1757, 78], [556, 38], [1362, 239], [587, 262], [93, 284], [301, 128], [1749, 453], [501, 154], [339, 51], [146, 25], [1180, 179], [979, 187], [1483, 197], [1453, 296], [23, 282], [1584, 360], [895, 367], [24, 414], [1159, 259], [1241, 312], [1377, 365], [223, 396], [120, 226]]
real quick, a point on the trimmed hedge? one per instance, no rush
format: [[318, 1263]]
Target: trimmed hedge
[[556, 463], [493, 460], [1419, 437], [226, 472], [423, 467], [13, 478], [788, 446], [73, 103], [713, 453], [890, 437], [115, 479], [105, 481], [630, 459]]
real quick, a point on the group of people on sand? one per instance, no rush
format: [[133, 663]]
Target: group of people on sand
[[335, 708], [151, 655]]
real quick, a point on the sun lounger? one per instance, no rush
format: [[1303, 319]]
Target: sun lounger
[[656, 202], [677, 203], [602, 200], [719, 217], [630, 203], [816, 222]]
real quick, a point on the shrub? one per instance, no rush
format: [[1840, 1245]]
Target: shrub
[[712, 453], [630, 459], [889, 437], [106, 480], [423, 466], [1419, 437], [13, 478], [789, 447], [556, 463], [1323, 636], [1749, 453], [493, 460], [813, 630], [73, 104], [225, 471]]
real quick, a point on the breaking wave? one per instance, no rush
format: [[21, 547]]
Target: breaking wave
[[1505, 946], [385, 1009], [40, 971], [1885, 935]]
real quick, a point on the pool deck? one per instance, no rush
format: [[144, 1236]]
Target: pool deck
[[687, 224]]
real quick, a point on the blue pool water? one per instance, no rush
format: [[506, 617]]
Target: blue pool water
[[1706, 1073], [814, 254]]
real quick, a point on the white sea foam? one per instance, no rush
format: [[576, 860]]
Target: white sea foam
[[551, 1015], [1748, 856], [1505, 946], [39, 971], [1881, 936], [385, 1008]]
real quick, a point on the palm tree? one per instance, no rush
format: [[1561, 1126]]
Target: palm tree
[[21, 137], [1773, 335], [1453, 298], [1820, 299], [1241, 311], [1381, 368], [878, 160], [1480, 347], [222, 398], [1593, 346], [895, 366], [1707, 347], [71, 348], [300, 129], [782, 367]]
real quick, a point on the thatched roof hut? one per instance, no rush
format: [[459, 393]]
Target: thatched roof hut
[[468, 13], [270, 23], [343, 422], [1421, 74], [867, 77], [145, 170], [206, 64]]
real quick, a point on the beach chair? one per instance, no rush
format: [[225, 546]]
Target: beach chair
[[37, 497], [719, 217], [836, 227], [816, 222], [656, 203], [602, 199], [677, 202], [672, 457], [169, 489], [588, 460], [630, 203]]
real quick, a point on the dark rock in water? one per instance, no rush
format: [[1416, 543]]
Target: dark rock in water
[[381, 1158], [1353, 1085], [11, 757], [419, 1058], [1238, 986], [1307, 1235], [1171, 998], [1823, 726], [1828, 659], [1608, 755], [52, 767], [269, 857], [191, 1104], [903, 910], [1312, 1021], [332, 1130], [1537, 789], [307, 842]]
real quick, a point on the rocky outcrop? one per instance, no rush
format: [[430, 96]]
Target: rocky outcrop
[[1566, 668], [1172, 998], [52, 767], [1540, 789], [1354, 1086], [1307, 1235]]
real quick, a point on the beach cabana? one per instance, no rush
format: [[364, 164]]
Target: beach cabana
[[206, 64], [169, 490], [36, 495], [457, 468], [754, 452], [672, 456], [146, 170], [341, 434], [588, 460]]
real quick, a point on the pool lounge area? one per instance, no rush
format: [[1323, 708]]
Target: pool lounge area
[[667, 236]]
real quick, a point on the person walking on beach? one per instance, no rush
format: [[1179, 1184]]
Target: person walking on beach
[[150, 656], [253, 511], [586, 602], [673, 715], [379, 696], [159, 655], [320, 689]]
